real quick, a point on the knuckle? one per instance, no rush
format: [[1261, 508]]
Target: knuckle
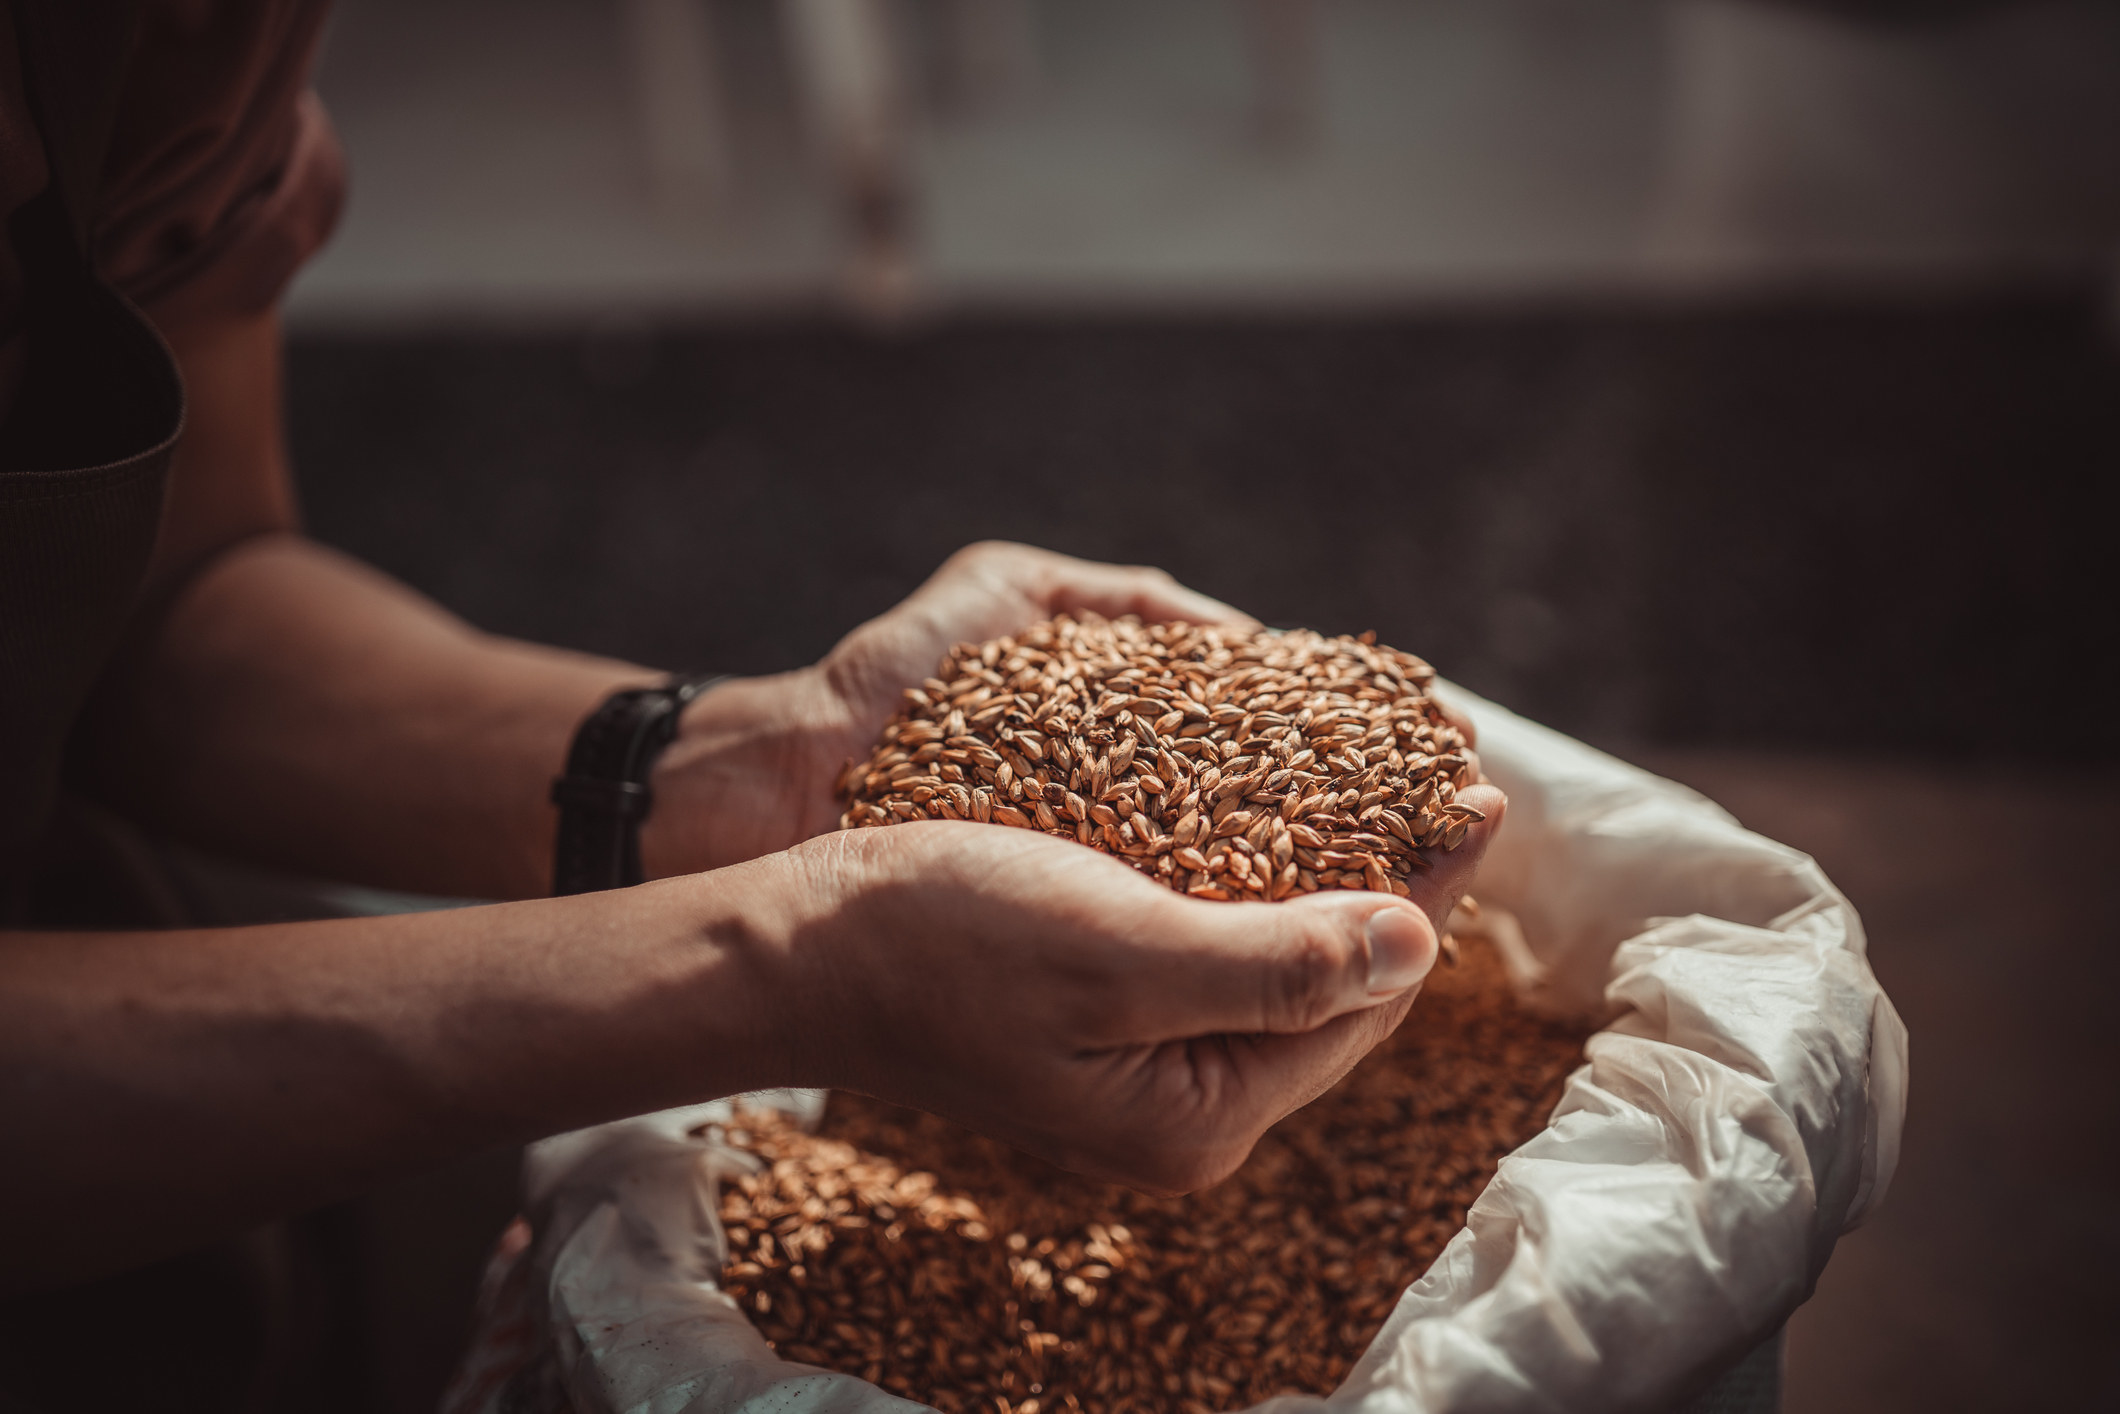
[[983, 552], [1154, 576]]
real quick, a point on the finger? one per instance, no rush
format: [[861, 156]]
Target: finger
[[1186, 1114], [1293, 966], [1150, 594], [1198, 967], [1443, 693], [1282, 1073], [1273, 1076], [1215, 967], [1059, 584], [1461, 719], [1436, 892], [995, 588]]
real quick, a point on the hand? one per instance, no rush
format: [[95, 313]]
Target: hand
[[754, 766], [1051, 996]]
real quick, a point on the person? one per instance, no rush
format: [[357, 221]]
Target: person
[[175, 654]]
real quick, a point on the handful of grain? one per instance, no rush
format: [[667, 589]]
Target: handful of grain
[[950, 1269], [1227, 764]]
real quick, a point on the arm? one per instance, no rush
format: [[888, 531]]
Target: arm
[[294, 707], [159, 1089], [287, 705], [162, 1089]]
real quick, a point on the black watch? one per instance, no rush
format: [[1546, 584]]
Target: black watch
[[604, 795]]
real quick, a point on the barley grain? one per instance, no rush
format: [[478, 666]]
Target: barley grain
[[1139, 738], [950, 1269]]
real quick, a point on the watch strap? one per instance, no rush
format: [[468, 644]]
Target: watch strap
[[604, 795]]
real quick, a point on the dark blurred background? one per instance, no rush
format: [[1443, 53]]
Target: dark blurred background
[[1735, 385]]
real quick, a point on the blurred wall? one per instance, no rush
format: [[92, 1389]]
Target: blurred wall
[[1765, 527], [517, 159]]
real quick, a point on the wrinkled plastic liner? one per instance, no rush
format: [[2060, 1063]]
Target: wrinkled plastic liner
[[1738, 1112]]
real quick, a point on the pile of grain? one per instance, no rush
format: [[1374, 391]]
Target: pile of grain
[[952, 1270], [1226, 764]]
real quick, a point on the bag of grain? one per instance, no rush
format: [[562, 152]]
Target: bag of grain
[[1739, 1109]]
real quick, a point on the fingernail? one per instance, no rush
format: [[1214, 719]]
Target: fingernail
[[1400, 951]]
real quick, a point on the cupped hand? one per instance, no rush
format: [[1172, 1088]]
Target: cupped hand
[[1048, 995], [754, 766]]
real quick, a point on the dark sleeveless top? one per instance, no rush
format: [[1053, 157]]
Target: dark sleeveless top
[[84, 454], [180, 151]]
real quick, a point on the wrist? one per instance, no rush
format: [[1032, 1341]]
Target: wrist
[[764, 924], [749, 773], [678, 993]]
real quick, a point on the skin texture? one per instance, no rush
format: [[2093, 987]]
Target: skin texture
[[284, 704]]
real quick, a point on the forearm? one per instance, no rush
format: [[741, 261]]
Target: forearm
[[159, 1089], [300, 709]]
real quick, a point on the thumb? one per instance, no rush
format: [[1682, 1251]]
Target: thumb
[[1286, 967]]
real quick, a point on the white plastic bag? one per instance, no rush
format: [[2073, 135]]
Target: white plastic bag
[[1740, 1110]]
